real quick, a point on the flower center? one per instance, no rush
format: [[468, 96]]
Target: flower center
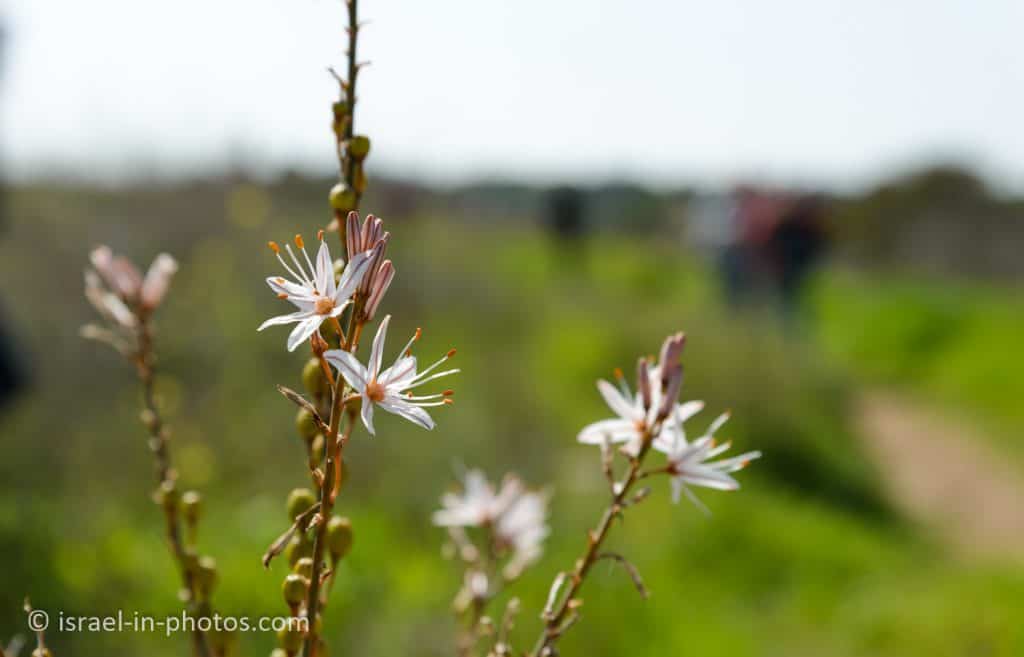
[[375, 392], [323, 305]]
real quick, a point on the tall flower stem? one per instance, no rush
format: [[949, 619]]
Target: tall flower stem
[[333, 452], [556, 620], [144, 362]]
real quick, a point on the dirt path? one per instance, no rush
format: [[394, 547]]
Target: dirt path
[[942, 472]]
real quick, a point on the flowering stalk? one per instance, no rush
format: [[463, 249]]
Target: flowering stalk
[[127, 300], [510, 525], [650, 418]]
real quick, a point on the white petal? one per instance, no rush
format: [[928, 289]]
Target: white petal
[[400, 373], [349, 367], [409, 411], [286, 319], [325, 271], [703, 476], [352, 276], [687, 410], [736, 462], [367, 415], [303, 330], [616, 401], [283, 286], [615, 430], [717, 424], [377, 351]]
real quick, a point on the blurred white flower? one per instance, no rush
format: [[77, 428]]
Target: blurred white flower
[[517, 516], [314, 292], [158, 279], [688, 463], [478, 504], [391, 389], [523, 526]]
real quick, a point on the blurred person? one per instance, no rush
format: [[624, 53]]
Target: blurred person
[[13, 376], [566, 223], [797, 242]]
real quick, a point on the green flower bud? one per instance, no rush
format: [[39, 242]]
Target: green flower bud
[[290, 638], [339, 109], [168, 496], [339, 536], [298, 548], [342, 198], [316, 451], [304, 567], [359, 146], [299, 500], [342, 474], [294, 589], [206, 576], [191, 505], [305, 424], [313, 377]]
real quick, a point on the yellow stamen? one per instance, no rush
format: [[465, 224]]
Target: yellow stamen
[[282, 295], [618, 373], [320, 234], [450, 354], [274, 247], [298, 242]]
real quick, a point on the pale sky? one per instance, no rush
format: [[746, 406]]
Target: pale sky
[[670, 92]]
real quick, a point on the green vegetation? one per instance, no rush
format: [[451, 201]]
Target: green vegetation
[[808, 559], [956, 342]]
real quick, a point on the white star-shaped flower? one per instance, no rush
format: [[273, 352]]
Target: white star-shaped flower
[[632, 416], [314, 292], [478, 504], [391, 389], [688, 462], [524, 527]]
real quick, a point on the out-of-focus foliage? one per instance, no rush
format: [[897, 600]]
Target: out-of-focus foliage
[[807, 559]]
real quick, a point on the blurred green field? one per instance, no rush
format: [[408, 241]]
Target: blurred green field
[[808, 559], [955, 343]]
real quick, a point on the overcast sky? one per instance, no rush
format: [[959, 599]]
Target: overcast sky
[[668, 91]]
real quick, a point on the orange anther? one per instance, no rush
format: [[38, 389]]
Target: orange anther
[[274, 247]]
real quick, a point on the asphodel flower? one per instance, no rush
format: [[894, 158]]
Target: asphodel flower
[[640, 414], [314, 291], [360, 239], [392, 388], [689, 462]]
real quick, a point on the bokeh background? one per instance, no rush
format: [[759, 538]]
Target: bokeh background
[[825, 197]]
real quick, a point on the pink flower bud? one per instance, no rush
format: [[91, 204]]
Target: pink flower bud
[[158, 279]]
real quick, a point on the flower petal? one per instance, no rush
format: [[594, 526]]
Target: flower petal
[[352, 276], [617, 402], [615, 430], [409, 411], [303, 330], [286, 319], [377, 351], [325, 271], [367, 415], [349, 367]]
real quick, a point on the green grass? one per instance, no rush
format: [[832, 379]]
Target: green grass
[[808, 559], [953, 341]]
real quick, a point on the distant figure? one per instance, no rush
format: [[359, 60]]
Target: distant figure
[[797, 243], [565, 214], [13, 373]]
